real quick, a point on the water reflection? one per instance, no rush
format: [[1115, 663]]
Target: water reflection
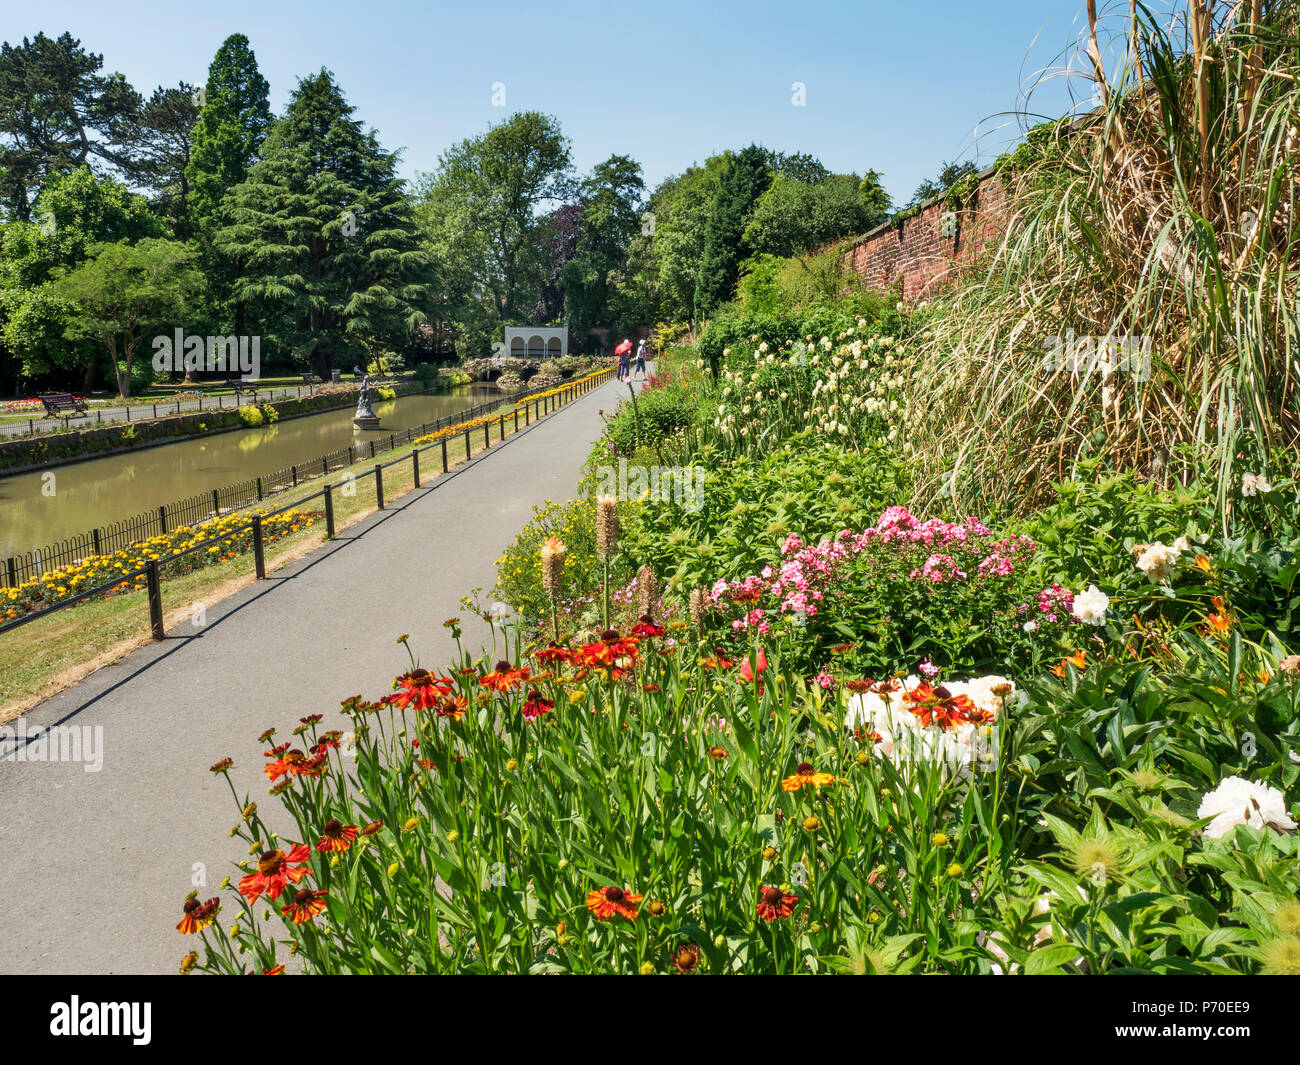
[[42, 507]]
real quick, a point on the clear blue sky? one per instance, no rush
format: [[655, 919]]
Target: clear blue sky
[[898, 87]]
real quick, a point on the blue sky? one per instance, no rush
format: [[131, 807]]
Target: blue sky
[[898, 87]]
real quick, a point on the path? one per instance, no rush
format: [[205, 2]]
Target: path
[[94, 866]]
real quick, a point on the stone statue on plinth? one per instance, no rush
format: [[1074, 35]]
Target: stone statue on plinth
[[365, 418]]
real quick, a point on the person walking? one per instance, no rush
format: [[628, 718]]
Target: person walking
[[640, 359], [624, 363]]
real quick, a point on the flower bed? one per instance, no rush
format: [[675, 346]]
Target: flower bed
[[69, 581]]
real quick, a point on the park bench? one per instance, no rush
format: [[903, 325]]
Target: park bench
[[310, 379], [63, 404], [241, 386]]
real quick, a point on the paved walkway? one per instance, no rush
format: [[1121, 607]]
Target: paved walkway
[[94, 866]]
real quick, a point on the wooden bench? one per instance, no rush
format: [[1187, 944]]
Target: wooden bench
[[63, 404], [310, 379], [240, 386]]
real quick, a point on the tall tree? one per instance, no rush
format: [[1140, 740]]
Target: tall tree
[[323, 222], [742, 184], [560, 243], [56, 112], [157, 144], [610, 198], [123, 292], [794, 216], [232, 123], [495, 187], [75, 210]]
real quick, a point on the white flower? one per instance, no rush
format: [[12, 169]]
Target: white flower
[[1241, 802], [1155, 561], [1253, 483], [1091, 606], [1029, 626]]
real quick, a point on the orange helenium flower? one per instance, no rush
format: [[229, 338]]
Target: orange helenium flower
[[275, 870], [773, 903], [420, 689], [804, 773], [534, 706], [607, 902], [293, 763], [306, 904], [198, 915], [939, 706], [505, 677], [338, 837]]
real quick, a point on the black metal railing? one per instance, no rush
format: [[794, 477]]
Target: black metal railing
[[541, 406]]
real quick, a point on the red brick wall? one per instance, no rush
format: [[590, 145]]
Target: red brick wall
[[914, 255]]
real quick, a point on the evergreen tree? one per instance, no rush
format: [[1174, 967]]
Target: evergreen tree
[[232, 123], [742, 184], [157, 144], [57, 111], [323, 222]]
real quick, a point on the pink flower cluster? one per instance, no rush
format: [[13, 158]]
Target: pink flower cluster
[[1056, 603], [797, 585]]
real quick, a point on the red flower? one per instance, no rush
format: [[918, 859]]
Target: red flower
[[747, 673], [773, 903], [198, 915], [306, 904], [505, 677], [535, 705], [646, 626], [940, 706], [453, 707], [553, 652], [338, 837], [275, 870], [294, 764], [606, 902], [420, 689], [720, 662], [607, 651]]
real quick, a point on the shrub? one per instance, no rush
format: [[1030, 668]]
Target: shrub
[[251, 415]]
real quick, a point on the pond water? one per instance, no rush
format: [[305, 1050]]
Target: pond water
[[35, 511]]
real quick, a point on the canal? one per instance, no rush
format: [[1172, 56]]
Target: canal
[[43, 507]]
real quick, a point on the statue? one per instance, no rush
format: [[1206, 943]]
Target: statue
[[365, 418]]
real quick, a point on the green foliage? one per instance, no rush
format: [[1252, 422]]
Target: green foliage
[[57, 113], [652, 418], [324, 218], [123, 292], [740, 186], [794, 216]]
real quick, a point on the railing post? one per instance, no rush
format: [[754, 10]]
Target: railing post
[[259, 489], [351, 460], [516, 419], [379, 485], [501, 422], [324, 465], [216, 504], [525, 412], [329, 513], [487, 434], [12, 566], [415, 466], [94, 539], [259, 556], [162, 518], [466, 443], [294, 471], [392, 441], [155, 599], [444, 454]]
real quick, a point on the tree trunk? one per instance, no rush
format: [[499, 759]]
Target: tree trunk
[[88, 381]]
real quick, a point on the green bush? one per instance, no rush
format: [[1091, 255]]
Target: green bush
[[649, 418]]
